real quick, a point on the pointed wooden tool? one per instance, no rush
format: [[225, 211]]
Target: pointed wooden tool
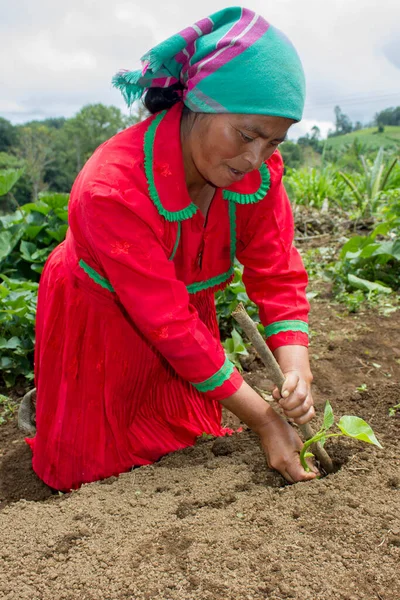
[[274, 370]]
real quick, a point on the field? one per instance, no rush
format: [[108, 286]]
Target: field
[[212, 521], [370, 137]]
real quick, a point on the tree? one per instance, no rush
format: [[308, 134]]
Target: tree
[[343, 123], [389, 116], [315, 133], [35, 147], [292, 154], [8, 135], [93, 125]]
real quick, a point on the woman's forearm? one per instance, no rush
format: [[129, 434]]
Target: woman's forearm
[[250, 408]]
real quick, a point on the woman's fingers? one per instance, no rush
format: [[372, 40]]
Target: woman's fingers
[[300, 409], [296, 397], [290, 384]]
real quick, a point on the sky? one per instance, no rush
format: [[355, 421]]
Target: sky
[[59, 56]]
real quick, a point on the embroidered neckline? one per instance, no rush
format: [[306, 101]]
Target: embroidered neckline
[[154, 170], [256, 196], [149, 138]]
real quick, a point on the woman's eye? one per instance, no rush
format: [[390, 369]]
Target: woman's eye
[[246, 138]]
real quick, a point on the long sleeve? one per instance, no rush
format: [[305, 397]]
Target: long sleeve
[[274, 275], [127, 248]]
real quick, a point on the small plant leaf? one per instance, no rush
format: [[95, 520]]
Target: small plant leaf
[[328, 416], [357, 428], [369, 286]]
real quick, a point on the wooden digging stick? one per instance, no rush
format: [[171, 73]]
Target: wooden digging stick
[[250, 329]]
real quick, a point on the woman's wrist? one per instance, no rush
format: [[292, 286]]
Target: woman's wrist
[[294, 358], [250, 408]]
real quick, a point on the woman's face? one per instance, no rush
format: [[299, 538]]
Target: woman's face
[[224, 147]]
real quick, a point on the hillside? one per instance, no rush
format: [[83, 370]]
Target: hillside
[[390, 138]]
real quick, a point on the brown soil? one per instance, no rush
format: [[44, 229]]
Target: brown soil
[[213, 522]]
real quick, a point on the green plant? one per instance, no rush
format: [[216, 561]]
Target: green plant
[[367, 186], [7, 408], [349, 426], [314, 187], [30, 234], [226, 301], [368, 264], [393, 410], [17, 318], [235, 347], [362, 388]]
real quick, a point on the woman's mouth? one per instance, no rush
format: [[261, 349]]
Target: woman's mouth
[[236, 175]]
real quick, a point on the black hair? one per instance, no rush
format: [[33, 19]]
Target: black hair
[[157, 99]]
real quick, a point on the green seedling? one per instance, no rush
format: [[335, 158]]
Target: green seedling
[[393, 410], [353, 427]]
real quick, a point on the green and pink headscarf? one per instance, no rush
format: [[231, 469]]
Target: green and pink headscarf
[[233, 61]]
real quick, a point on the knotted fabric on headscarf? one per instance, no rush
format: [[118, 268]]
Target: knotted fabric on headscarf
[[231, 62]]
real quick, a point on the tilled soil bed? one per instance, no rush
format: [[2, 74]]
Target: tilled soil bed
[[212, 521]]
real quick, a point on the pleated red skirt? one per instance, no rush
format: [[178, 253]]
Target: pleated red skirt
[[106, 400]]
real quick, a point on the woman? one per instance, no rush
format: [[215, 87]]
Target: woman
[[128, 361]]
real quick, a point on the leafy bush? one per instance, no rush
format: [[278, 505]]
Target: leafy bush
[[26, 239], [312, 187], [235, 348], [17, 320], [369, 264], [29, 235], [367, 186], [227, 300]]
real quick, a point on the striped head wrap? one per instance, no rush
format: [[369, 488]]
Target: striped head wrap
[[231, 62]]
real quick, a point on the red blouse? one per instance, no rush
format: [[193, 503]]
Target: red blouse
[[135, 232]]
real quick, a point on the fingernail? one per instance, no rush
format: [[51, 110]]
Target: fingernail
[[285, 394]]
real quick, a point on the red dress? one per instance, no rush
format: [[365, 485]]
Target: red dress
[[128, 360]]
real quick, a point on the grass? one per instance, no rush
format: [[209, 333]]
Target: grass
[[390, 138], [8, 408]]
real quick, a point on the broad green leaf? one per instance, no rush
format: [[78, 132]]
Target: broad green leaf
[[39, 207], [8, 178], [369, 286], [11, 344], [27, 249], [59, 234], [238, 343], [354, 244], [381, 229], [357, 428], [32, 231], [328, 416], [5, 363]]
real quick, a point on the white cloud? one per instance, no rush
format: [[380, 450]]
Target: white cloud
[[306, 125], [60, 56]]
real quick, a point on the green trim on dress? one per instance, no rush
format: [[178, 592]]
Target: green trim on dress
[[251, 198], [179, 215], [279, 326], [96, 277], [217, 379], [191, 209], [178, 237]]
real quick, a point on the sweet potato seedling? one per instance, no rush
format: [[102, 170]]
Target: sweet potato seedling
[[353, 427]]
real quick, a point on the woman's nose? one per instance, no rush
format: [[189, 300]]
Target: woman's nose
[[255, 159], [257, 155]]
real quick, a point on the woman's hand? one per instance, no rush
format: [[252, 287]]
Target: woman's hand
[[282, 446], [296, 399], [279, 440]]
